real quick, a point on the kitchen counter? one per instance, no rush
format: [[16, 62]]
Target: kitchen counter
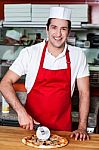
[[10, 139]]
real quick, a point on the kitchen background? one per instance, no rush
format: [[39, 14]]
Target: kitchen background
[[29, 18]]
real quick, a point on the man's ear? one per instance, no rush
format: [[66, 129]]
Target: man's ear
[[46, 30], [68, 34], [69, 31]]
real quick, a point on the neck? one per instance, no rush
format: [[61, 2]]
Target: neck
[[55, 51]]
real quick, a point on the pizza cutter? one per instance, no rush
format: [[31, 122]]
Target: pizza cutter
[[42, 132]]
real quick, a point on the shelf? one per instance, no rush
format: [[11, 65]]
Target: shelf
[[90, 26], [74, 25], [22, 24]]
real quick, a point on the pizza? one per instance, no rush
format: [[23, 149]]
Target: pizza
[[54, 141]]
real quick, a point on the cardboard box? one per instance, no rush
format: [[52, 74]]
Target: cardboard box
[[17, 12]]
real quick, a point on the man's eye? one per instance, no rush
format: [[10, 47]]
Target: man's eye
[[53, 27], [65, 28]]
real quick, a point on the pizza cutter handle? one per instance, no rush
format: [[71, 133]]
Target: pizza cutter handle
[[35, 126]]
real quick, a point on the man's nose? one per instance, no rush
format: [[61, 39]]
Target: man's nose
[[58, 32]]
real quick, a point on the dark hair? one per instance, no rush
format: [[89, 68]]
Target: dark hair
[[49, 22]]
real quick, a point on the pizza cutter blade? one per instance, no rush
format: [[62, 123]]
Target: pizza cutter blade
[[42, 130], [43, 133]]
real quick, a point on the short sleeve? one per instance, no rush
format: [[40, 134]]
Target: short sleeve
[[83, 66], [20, 65]]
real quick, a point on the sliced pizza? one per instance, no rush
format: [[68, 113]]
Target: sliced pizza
[[54, 141]]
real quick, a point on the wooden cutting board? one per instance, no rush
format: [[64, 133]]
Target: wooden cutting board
[[10, 139]]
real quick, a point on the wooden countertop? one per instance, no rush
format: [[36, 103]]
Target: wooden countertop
[[10, 139]]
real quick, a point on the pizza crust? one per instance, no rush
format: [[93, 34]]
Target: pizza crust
[[55, 141]]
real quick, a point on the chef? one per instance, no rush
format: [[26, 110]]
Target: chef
[[51, 69], [12, 37]]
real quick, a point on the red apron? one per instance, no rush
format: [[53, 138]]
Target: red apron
[[49, 101]]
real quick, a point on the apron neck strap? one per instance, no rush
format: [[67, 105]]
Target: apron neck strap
[[43, 54], [68, 58]]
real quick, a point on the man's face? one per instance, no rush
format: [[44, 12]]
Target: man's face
[[58, 32], [10, 41]]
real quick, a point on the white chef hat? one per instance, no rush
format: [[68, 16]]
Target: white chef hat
[[60, 13], [13, 34]]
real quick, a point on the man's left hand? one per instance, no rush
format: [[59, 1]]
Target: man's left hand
[[80, 134]]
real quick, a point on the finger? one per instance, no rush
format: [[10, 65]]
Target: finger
[[35, 122], [88, 137], [76, 136], [27, 127], [81, 136], [31, 126], [72, 135], [24, 126], [84, 137]]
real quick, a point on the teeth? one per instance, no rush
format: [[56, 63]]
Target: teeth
[[57, 38]]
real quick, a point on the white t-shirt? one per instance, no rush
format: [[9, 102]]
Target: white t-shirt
[[29, 58]]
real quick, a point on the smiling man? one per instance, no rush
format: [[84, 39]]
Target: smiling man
[[51, 69]]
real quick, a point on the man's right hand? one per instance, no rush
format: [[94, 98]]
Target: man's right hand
[[25, 120]]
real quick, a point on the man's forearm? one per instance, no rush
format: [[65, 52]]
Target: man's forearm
[[8, 92], [83, 110]]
